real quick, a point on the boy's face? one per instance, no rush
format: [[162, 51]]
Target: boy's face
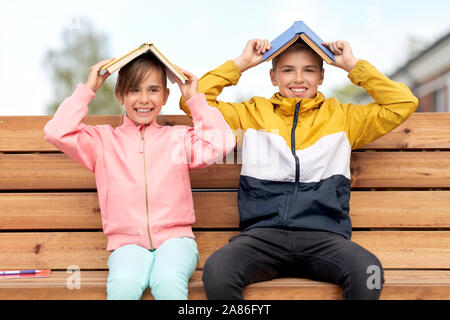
[[297, 75], [144, 102]]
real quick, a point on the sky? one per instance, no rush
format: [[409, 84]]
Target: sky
[[199, 35]]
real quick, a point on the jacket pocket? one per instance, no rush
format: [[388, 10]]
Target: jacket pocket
[[125, 211]]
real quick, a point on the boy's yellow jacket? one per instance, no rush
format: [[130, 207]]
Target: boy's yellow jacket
[[296, 152]]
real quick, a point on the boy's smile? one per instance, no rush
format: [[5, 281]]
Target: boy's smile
[[298, 75]]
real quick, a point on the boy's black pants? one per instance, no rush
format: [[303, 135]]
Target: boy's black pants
[[265, 253]]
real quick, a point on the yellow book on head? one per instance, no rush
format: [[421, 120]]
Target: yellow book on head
[[172, 71]]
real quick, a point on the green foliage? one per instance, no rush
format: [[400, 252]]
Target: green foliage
[[415, 45], [82, 47], [349, 93]]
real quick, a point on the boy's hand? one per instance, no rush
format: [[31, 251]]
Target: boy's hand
[[252, 54], [189, 88], [343, 54], [95, 80]]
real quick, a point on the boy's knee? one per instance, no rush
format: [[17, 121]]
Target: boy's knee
[[220, 281], [365, 278], [215, 271]]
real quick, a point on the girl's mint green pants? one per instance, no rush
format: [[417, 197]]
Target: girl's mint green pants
[[166, 270]]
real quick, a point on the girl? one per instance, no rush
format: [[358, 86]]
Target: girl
[[141, 171]]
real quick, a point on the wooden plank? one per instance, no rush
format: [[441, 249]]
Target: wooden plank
[[36, 211], [400, 169], [26, 133], [53, 250], [41, 250], [368, 169], [369, 209], [399, 284], [400, 209], [43, 172], [407, 249], [59, 172], [420, 131]]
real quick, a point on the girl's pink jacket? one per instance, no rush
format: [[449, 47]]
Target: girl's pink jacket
[[141, 172]]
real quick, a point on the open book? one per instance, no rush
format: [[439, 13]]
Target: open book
[[172, 70], [298, 30]]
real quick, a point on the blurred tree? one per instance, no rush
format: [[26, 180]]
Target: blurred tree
[[415, 45], [82, 47], [348, 93]]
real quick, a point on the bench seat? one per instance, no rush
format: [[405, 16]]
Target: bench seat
[[399, 284], [50, 216]]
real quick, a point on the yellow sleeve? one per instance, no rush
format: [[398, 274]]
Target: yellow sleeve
[[212, 84], [393, 104]]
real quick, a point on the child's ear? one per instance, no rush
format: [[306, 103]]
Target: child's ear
[[322, 75], [119, 98], [273, 78], [166, 95]]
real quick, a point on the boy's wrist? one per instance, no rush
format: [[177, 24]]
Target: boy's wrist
[[241, 64], [350, 65]]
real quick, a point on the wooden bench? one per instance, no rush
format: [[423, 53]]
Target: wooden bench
[[400, 208]]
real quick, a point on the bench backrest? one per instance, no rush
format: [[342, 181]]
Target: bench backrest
[[400, 202]]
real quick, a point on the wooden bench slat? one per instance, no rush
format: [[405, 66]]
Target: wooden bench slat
[[26, 133], [404, 284], [400, 209], [420, 131], [34, 211], [368, 209], [400, 169], [369, 170], [41, 250], [43, 172]]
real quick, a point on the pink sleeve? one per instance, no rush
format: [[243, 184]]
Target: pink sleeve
[[211, 138], [67, 132]]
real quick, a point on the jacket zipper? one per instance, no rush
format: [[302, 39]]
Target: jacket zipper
[[146, 189], [297, 162]]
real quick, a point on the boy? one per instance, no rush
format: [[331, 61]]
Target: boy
[[294, 188]]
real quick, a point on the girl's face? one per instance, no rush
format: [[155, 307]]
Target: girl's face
[[144, 102], [297, 75]]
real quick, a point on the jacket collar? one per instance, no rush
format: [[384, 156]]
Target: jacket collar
[[287, 105], [127, 123]]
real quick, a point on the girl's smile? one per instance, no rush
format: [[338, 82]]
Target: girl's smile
[[143, 103]]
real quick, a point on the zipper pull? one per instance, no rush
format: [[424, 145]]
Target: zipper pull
[[142, 142]]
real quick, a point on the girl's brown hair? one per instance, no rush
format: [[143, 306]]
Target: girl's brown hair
[[134, 72]]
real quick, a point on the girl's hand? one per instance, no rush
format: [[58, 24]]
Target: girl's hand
[[95, 80], [252, 54], [189, 88], [343, 54]]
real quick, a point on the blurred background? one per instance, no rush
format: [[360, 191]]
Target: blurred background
[[47, 47]]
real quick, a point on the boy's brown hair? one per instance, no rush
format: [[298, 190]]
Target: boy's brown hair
[[135, 71], [298, 45]]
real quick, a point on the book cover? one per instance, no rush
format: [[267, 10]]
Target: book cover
[[172, 71], [298, 30]]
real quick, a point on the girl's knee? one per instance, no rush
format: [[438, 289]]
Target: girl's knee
[[170, 285], [125, 286]]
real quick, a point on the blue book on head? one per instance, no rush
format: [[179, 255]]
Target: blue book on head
[[298, 30]]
